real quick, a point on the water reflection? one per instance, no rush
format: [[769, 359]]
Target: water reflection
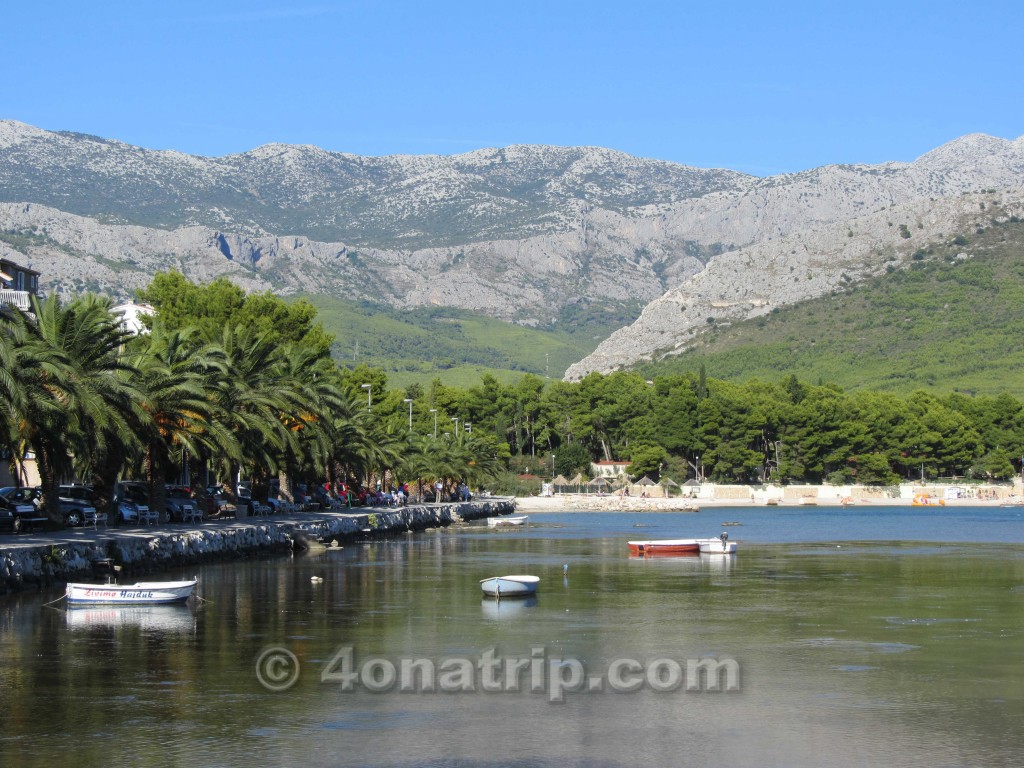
[[151, 618], [507, 608], [872, 654]]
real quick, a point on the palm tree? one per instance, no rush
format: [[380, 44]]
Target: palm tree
[[13, 358], [176, 371], [417, 462], [362, 446], [317, 404], [72, 391], [250, 395]]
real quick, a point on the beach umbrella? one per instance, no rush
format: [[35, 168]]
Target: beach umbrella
[[578, 480], [645, 481]]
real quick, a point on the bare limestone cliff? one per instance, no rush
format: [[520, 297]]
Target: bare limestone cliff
[[519, 233], [751, 281]]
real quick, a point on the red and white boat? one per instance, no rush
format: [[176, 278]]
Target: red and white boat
[[665, 547]]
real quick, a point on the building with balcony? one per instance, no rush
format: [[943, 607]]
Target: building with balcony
[[17, 284]]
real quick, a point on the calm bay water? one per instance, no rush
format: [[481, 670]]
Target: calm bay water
[[864, 636]]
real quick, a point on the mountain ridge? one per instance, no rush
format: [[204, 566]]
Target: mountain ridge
[[520, 233]]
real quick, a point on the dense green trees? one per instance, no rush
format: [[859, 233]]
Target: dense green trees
[[232, 384], [243, 384]]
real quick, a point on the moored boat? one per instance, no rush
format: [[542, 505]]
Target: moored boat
[[495, 522], [519, 585], [664, 547], [142, 593], [719, 546]]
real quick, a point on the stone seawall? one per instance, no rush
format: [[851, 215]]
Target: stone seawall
[[68, 555]]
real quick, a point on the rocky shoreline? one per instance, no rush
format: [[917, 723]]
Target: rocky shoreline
[[83, 554]]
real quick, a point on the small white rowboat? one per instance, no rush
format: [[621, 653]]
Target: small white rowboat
[[142, 593], [719, 546], [495, 522], [510, 586]]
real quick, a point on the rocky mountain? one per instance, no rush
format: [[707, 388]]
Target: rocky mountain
[[753, 280], [385, 202], [522, 233]]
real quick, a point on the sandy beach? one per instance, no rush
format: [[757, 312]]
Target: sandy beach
[[572, 502]]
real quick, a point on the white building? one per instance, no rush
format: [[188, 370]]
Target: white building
[[131, 316]]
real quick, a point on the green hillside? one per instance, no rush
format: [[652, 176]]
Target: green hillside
[[946, 323], [458, 346]]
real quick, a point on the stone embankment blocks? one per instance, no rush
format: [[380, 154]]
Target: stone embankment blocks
[[23, 565]]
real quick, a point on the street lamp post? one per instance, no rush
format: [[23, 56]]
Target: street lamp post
[[409, 401], [456, 420], [369, 396], [434, 411], [552, 467]]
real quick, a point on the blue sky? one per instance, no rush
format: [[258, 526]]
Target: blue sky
[[762, 88]]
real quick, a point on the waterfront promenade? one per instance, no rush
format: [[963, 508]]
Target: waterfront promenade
[[78, 553]]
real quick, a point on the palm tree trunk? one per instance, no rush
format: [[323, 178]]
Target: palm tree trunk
[[155, 476], [285, 489], [49, 484]]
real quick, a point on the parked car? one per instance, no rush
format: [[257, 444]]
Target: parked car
[[22, 494], [13, 513], [179, 498], [217, 503], [76, 504], [132, 500]]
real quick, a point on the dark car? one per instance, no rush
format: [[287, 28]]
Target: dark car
[[76, 504], [14, 514], [178, 503], [23, 494]]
